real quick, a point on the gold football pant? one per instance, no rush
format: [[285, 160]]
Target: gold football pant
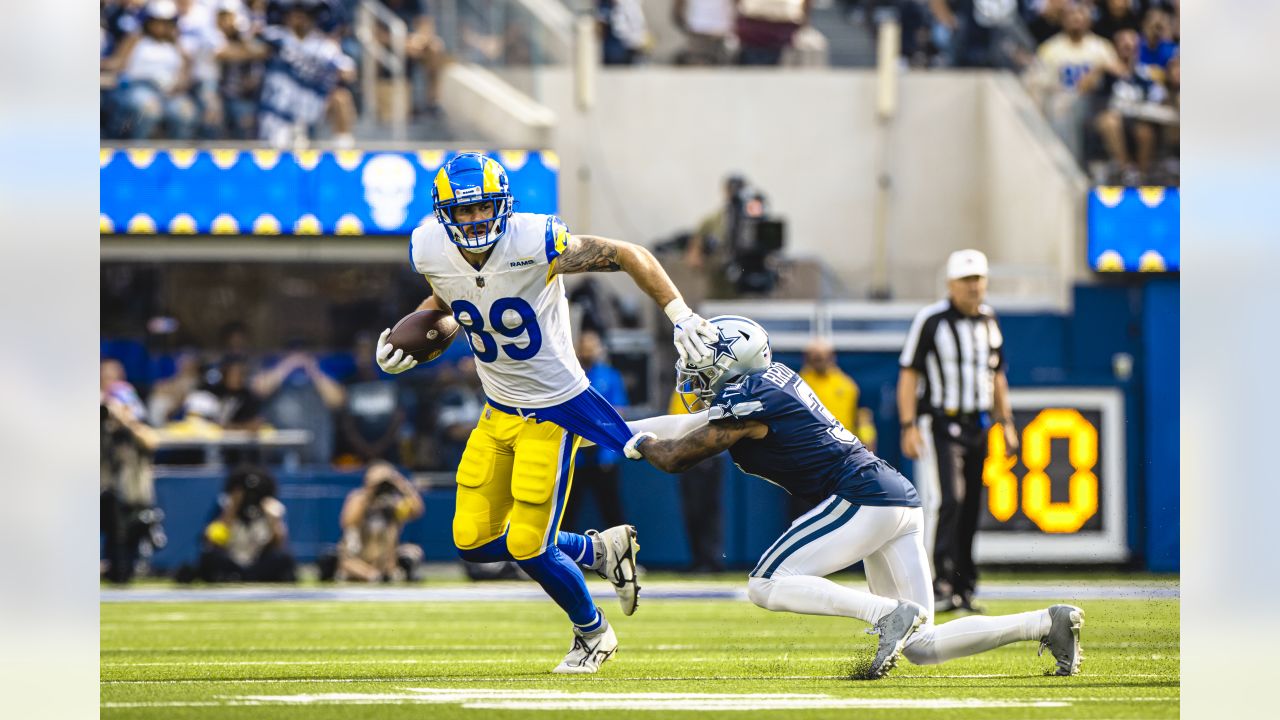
[[514, 477]]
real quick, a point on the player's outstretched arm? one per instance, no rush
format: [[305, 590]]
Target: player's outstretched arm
[[589, 253], [663, 427], [678, 455]]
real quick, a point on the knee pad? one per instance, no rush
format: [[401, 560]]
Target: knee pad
[[524, 541], [758, 591], [469, 529]]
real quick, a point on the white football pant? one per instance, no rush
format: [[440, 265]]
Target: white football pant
[[888, 540]]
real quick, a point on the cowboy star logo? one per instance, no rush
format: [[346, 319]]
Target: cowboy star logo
[[723, 345]]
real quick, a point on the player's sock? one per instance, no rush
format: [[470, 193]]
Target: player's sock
[[817, 596], [598, 625], [563, 581], [971, 635], [580, 549]]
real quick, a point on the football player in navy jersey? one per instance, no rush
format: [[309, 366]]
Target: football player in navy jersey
[[774, 427]]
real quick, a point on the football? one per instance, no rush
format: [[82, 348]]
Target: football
[[424, 334]]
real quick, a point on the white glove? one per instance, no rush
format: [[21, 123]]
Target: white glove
[[630, 448], [391, 359], [692, 332]]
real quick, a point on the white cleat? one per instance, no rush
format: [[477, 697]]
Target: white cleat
[[588, 652], [619, 564]]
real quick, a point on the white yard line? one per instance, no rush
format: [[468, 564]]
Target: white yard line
[[554, 700], [559, 700], [544, 678]]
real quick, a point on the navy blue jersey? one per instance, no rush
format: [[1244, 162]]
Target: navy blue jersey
[[807, 452]]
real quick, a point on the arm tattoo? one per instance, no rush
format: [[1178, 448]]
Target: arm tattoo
[[588, 253], [683, 453]]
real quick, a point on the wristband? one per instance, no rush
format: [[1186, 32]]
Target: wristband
[[908, 424], [631, 449], [676, 309]]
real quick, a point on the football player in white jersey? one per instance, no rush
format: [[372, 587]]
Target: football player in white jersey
[[499, 273]]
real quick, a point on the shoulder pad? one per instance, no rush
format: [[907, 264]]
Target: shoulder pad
[[738, 400], [555, 237], [426, 245]]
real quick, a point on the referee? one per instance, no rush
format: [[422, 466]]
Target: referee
[[951, 388]]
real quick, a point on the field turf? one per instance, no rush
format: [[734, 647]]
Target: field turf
[[704, 659]]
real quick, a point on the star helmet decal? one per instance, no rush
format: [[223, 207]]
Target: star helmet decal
[[723, 345]]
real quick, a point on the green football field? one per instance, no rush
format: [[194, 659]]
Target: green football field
[[696, 658]]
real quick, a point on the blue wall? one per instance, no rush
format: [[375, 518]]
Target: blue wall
[[1160, 342], [314, 500]]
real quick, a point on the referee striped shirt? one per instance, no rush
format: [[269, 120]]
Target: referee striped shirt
[[957, 357]]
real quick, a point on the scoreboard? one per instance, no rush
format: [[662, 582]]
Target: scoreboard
[[1061, 498]]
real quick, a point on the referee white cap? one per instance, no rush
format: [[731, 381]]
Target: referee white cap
[[966, 263]]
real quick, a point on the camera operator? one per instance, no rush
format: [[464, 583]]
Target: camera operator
[[372, 518], [753, 238], [246, 542], [130, 521]]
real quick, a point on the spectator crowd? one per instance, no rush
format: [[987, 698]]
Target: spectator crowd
[[272, 70], [1108, 75], [1107, 72]]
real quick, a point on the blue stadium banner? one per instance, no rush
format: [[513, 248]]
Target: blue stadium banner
[[312, 192], [1134, 229]]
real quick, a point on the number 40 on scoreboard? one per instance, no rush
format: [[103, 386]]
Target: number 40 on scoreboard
[[1061, 498]]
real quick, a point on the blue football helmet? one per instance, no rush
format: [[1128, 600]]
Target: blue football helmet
[[467, 179]]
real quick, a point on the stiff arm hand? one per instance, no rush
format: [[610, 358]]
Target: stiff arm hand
[[692, 332]]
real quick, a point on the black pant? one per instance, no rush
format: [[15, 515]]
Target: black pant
[[700, 496], [272, 565], [961, 450], [603, 481], [119, 535]]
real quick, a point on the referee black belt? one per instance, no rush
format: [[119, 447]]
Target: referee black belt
[[975, 419]]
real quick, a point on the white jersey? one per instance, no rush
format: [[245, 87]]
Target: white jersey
[[513, 311]]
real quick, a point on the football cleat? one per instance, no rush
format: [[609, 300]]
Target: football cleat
[[619, 563], [1063, 639], [894, 629], [588, 652]]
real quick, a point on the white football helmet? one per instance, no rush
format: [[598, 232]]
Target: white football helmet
[[742, 348]]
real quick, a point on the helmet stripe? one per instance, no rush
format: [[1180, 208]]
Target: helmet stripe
[[491, 176], [443, 188]]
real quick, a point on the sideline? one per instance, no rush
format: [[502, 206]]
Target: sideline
[[515, 592]]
